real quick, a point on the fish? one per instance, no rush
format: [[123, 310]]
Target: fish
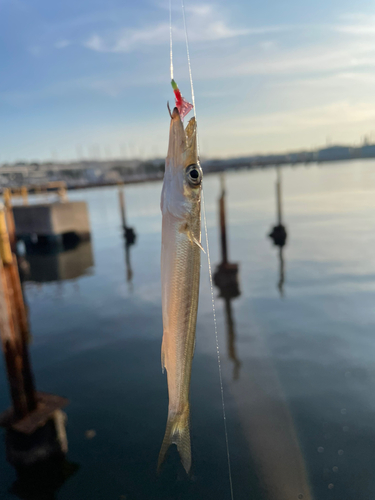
[[180, 275]]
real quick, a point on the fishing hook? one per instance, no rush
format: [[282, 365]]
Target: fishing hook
[[169, 109]]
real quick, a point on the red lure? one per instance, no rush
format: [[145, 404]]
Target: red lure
[[182, 104]]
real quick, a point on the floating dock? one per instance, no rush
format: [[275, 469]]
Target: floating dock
[[51, 223]]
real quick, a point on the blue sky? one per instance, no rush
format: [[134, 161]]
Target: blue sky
[[90, 78]]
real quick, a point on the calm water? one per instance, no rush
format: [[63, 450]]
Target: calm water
[[298, 368]]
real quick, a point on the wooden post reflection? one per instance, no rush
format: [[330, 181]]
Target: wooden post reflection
[[44, 480], [226, 279]]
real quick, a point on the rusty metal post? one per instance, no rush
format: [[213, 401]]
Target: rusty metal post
[[122, 207], [223, 232], [278, 197]]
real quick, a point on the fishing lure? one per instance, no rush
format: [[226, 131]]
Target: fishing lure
[[183, 106]]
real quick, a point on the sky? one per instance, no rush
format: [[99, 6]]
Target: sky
[[90, 78]]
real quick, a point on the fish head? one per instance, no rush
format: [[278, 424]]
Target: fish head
[[183, 174], [193, 169]]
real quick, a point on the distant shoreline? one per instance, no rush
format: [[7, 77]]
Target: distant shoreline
[[215, 171], [148, 172]]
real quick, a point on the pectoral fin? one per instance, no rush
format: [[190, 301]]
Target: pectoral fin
[[184, 228], [194, 240]]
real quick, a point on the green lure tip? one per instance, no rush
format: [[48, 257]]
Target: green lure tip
[[174, 85]]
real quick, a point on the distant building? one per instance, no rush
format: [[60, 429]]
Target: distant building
[[334, 153], [367, 151]]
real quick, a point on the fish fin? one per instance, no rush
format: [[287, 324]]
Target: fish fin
[[195, 241], [184, 228], [199, 245], [178, 432]]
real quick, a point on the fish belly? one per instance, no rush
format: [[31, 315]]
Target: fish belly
[[180, 270]]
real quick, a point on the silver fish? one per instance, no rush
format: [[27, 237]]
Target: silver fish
[[180, 272]]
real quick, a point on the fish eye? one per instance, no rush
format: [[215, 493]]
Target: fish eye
[[194, 175]]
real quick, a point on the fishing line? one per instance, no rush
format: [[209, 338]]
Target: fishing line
[[205, 230], [209, 264], [189, 65], [170, 38], [217, 348]]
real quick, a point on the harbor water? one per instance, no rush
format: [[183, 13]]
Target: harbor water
[[297, 345]]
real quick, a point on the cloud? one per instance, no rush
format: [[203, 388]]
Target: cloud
[[334, 114], [128, 40], [95, 42], [205, 24], [61, 44], [357, 24], [267, 45], [343, 80], [35, 50], [289, 129], [202, 10], [276, 59]]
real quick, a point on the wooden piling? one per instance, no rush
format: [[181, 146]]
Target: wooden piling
[[5, 248], [13, 323], [25, 195], [62, 193], [12, 350], [9, 217]]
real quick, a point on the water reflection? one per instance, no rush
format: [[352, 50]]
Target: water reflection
[[226, 280], [302, 361], [43, 481], [278, 233], [129, 236], [260, 400], [68, 264]]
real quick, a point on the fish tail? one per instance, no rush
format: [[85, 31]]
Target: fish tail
[[178, 432]]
